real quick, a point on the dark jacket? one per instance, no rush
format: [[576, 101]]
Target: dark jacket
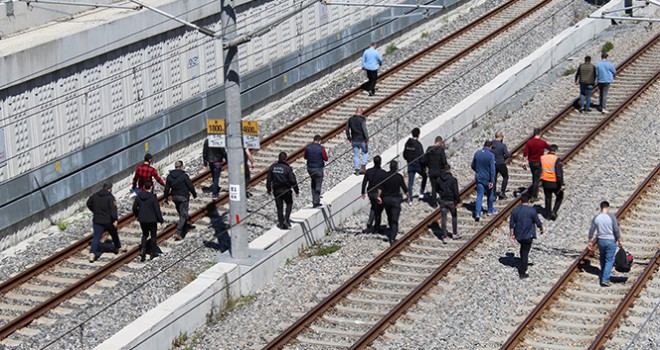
[[315, 155], [281, 178], [448, 188], [212, 155], [522, 221], [104, 207], [392, 184], [178, 183], [146, 208], [356, 129], [415, 149], [500, 151], [372, 178], [483, 164], [586, 74], [435, 160]]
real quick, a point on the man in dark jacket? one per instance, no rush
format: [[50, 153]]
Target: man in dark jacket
[[372, 179], [449, 201], [521, 223], [179, 185], [501, 153], [413, 153], [214, 158], [483, 165], [586, 77], [316, 157], [104, 207], [389, 195], [435, 160], [281, 180], [147, 211], [358, 137]]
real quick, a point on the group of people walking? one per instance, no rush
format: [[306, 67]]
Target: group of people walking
[[588, 75]]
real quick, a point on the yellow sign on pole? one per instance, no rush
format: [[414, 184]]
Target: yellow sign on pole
[[215, 128], [250, 134]]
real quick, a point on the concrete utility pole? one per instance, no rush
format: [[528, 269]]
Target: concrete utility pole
[[237, 207]]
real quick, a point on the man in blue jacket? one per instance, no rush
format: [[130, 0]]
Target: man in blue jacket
[[316, 157], [483, 164], [605, 75], [371, 61], [521, 223]]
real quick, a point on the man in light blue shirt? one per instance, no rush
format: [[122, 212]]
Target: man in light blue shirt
[[371, 61], [605, 75]]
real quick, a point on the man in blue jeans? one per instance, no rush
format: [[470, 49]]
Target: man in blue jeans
[[214, 158], [358, 137], [608, 238], [483, 164], [586, 77]]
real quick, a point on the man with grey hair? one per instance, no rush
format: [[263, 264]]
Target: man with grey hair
[[608, 238], [179, 185], [501, 153]]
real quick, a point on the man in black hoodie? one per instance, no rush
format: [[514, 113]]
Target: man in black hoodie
[[104, 207], [449, 200], [281, 180], [435, 161], [389, 196], [147, 211], [179, 185], [373, 177]]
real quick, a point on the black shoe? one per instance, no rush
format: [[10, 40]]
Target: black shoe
[[392, 241], [523, 275], [152, 257], [502, 195], [476, 219], [286, 226], [143, 257], [369, 229], [553, 216], [248, 194], [371, 93], [317, 205]]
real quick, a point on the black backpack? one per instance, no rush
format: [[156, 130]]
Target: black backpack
[[623, 260], [409, 151]]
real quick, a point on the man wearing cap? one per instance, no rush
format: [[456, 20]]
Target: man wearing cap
[[145, 172], [179, 185], [104, 207]]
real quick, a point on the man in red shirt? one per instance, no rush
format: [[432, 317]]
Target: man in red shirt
[[145, 172], [534, 149]]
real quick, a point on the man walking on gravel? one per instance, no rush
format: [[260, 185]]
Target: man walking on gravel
[[534, 149], [179, 185], [371, 61], [104, 207], [435, 160], [281, 180], [145, 172], [483, 164], [552, 177], [390, 198], [501, 153], [372, 179], [608, 238], [449, 201], [605, 75], [413, 153], [214, 158], [147, 211], [586, 77], [358, 137], [521, 223], [316, 157]]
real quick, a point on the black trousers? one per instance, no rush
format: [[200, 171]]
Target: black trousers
[[392, 206], [280, 199], [448, 206], [316, 175], [535, 169], [434, 190], [375, 213], [149, 246], [525, 247], [181, 203], [550, 188], [372, 75], [501, 169]]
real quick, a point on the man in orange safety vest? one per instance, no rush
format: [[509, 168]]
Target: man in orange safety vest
[[552, 178]]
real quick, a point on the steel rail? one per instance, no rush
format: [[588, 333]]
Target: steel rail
[[565, 279], [384, 257]]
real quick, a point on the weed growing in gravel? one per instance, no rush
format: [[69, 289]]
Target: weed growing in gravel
[[390, 49], [180, 339], [197, 336], [322, 251], [288, 262], [607, 47], [425, 35], [62, 225], [569, 71]]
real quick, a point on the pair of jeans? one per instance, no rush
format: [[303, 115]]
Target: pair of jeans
[[501, 169], [216, 168], [525, 247], [535, 169], [181, 203], [316, 175], [550, 188], [585, 93], [448, 206], [375, 213], [149, 245], [602, 95], [392, 206], [280, 199], [482, 189], [364, 148], [607, 249], [372, 75], [412, 170], [98, 232]]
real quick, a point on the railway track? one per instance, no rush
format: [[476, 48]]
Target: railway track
[[579, 314], [44, 286], [355, 314]]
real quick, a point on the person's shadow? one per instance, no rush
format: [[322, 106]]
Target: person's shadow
[[585, 266], [220, 231], [509, 259]]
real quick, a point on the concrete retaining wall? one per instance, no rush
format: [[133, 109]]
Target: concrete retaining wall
[[343, 200]]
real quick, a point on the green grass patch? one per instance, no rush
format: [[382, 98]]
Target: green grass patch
[[180, 340], [322, 251], [569, 71], [62, 225], [607, 47], [390, 49], [425, 35]]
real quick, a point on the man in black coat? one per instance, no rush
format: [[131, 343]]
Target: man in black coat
[[214, 158], [372, 179], [179, 185], [104, 207], [413, 153], [449, 201], [147, 211], [281, 180], [390, 198], [435, 161]]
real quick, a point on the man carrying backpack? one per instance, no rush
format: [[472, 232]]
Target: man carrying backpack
[[608, 238], [413, 153]]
